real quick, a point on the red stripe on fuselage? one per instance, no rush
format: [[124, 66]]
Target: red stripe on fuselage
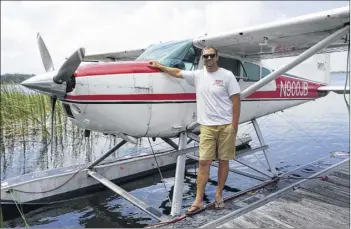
[[114, 68], [286, 87], [135, 97]]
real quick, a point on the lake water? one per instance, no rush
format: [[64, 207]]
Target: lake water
[[296, 137]]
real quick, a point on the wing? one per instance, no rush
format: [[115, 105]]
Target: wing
[[282, 39], [114, 56]]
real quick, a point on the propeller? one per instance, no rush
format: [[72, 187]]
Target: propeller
[[70, 66], [53, 102], [45, 55], [64, 73]]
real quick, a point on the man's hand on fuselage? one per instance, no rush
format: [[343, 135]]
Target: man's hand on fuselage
[[175, 72]]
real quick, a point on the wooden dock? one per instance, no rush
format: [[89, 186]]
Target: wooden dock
[[315, 203]]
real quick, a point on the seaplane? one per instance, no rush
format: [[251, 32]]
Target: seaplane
[[117, 93]]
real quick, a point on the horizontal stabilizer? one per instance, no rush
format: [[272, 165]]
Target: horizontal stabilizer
[[336, 89]]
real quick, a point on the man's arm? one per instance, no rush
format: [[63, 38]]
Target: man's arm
[[236, 111], [175, 72]]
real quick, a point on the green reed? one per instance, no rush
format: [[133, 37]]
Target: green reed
[[23, 112], [1, 219]]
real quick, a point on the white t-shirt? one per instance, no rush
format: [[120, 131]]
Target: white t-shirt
[[213, 91]]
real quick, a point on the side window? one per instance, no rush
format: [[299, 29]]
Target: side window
[[232, 65], [253, 71], [182, 56], [265, 72], [190, 58]]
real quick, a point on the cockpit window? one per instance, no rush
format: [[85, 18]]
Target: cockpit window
[[253, 71], [181, 54]]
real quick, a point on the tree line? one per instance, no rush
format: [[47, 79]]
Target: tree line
[[14, 77]]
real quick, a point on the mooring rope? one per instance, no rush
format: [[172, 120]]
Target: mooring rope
[[20, 210], [33, 192], [159, 170]]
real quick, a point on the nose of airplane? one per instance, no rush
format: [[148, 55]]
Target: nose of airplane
[[54, 83], [44, 83]]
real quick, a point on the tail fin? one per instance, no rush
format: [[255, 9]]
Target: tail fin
[[337, 89], [327, 68], [323, 68]]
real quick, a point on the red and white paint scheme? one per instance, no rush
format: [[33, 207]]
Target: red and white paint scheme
[[130, 98]]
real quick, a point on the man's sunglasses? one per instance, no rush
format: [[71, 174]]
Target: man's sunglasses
[[207, 55]]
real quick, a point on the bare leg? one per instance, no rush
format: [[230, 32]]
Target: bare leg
[[207, 150], [222, 177], [226, 152], [202, 178]]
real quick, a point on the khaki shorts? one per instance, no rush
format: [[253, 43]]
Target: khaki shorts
[[217, 142]]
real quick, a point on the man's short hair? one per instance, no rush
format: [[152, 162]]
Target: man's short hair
[[210, 47]]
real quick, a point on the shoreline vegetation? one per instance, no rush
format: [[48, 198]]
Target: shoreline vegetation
[[23, 113], [14, 78]]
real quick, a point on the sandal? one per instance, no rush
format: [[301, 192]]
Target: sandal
[[197, 209], [220, 204]]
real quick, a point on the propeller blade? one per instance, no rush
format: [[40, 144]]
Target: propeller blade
[[45, 55], [70, 66], [53, 102]]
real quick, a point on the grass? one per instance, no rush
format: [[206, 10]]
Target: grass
[[1, 219], [23, 111]]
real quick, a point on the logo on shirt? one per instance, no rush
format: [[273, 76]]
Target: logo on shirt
[[218, 82]]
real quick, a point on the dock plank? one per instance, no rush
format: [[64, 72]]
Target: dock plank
[[332, 192], [275, 223], [262, 220], [240, 223], [338, 181], [285, 215], [342, 174], [319, 206], [322, 198], [333, 186], [316, 203], [320, 216]]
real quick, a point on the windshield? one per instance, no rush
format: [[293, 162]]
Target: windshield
[[180, 54]]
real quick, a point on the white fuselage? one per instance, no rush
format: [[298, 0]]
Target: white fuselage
[[149, 103]]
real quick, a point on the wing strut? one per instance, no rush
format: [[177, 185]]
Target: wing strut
[[302, 57]]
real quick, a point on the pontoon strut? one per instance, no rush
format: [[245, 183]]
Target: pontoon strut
[[118, 190], [179, 178]]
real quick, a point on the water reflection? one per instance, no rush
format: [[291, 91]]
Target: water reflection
[[69, 147]]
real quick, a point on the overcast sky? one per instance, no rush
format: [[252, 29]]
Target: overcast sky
[[115, 25]]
